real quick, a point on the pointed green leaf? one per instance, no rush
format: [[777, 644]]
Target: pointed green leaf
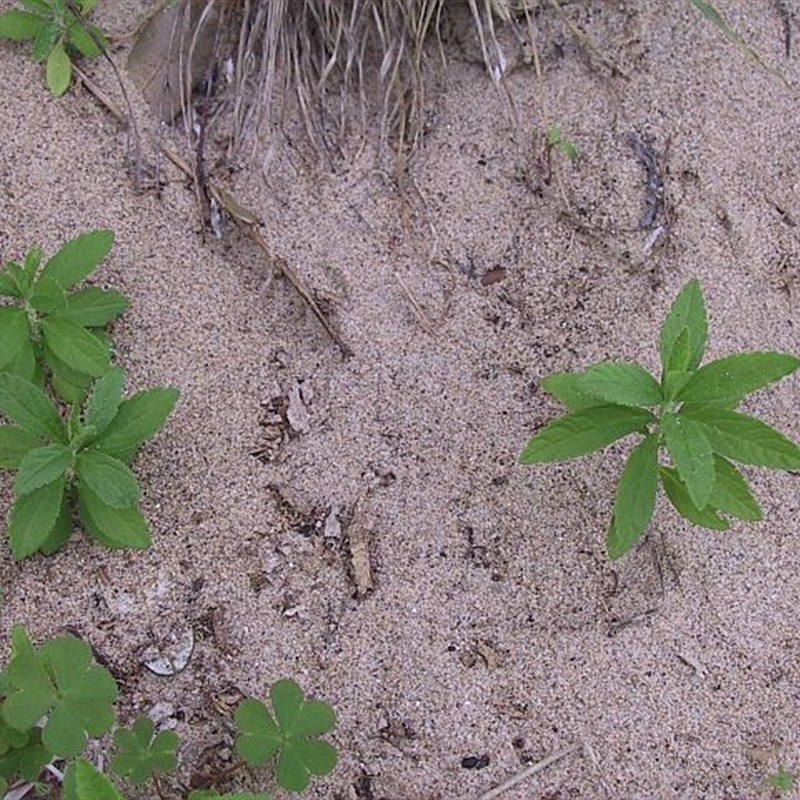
[[746, 439], [15, 334], [45, 40], [8, 286], [732, 494], [680, 353], [636, 498], [48, 296], [141, 754], [19, 26], [61, 531], [15, 443], [83, 782], [33, 517], [112, 527], [584, 431], [691, 453], [94, 307], [678, 495], [79, 257], [688, 311], [69, 384], [674, 382], [621, 383], [75, 346], [105, 399], [138, 419], [736, 376], [30, 407], [82, 41], [566, 387], [59, 70], [24, 363], [108, 478], [41, 466]]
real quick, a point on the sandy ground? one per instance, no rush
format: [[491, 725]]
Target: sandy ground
[[496, 628]]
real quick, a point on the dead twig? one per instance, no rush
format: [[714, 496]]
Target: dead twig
[[531, 770]]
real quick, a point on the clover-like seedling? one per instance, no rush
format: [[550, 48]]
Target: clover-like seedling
[[142, 754], [292, 734], [48, 327], [690, 413], [555, 139], [60, 684], [85, 458], [56, 34]]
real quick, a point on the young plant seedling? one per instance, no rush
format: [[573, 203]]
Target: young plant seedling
[[568, 148], [85, 459], [292, 734], [49, 327], [142, 754], [56, 33], [690, 414], [782, 781]]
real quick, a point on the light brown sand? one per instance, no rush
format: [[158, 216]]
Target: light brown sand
[[497, 625]]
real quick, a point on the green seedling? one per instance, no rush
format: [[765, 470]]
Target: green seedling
[[782, 781], [48, 326], [56, 34], [83, 460], [292, 734], [142, 754], [566, 146], [690, 414]]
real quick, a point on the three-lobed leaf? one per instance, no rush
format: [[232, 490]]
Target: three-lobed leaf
[[141, 753]]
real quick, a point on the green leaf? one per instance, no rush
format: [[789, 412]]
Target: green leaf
[[736, 376], [75, 346], [636, 498], [19, 277], [79, 257], [680, 353], [83, 782], [29, 691], [41, 466], [105, 399], [30, 408], [33, 517], [678, 495], [689, 312], [138, 419], [24, 363], [259, 737], [82, 41], [59, 70], [112, 527], [69, 384], [15, 334], [673, 382], [94, 307], [27, 759], [40, 7], [584, 431], [8, 286], [141, 754], [86, 692], [621, 383], [108, 478], [61, 531], [48, 296], [15, 443], [19, 26], [732, 494], [746, 439], [691, 453], [567, 388]]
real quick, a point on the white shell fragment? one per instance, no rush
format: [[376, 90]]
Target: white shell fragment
[[174, 657]]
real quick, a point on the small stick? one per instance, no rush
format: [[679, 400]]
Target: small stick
[[418, 312], [526, 773]]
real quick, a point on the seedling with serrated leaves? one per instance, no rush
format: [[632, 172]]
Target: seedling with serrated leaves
[[56, 34], [690, 413], [85, 459], [292, 735], [49, 328]]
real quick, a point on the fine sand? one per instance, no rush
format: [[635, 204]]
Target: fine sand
[[361, 524]]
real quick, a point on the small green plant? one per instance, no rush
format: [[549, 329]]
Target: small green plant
[[782, 781], [292, 735], [56, 34], [82, 460], [48, 327], [54, 698], [566, 146], [690, 413]]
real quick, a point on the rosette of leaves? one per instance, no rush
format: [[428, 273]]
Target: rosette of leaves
[[82, 461], [56, 34], [690, 415], [50, 326], [293, 734]]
